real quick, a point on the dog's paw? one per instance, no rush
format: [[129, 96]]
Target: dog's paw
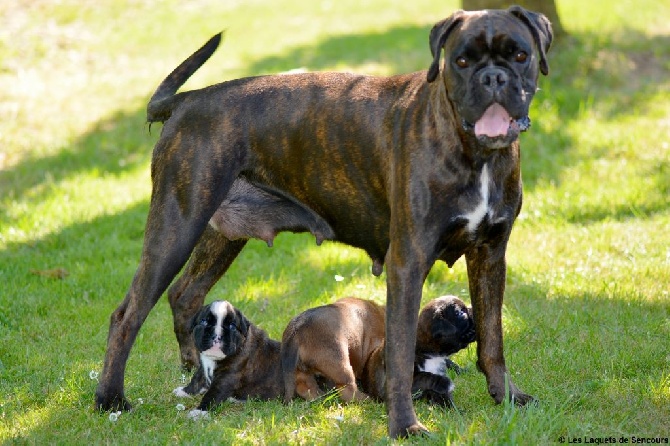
[[105, 403], [197, 414], [414, 430], [181, 393]]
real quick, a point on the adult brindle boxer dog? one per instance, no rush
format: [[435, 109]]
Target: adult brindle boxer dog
[[412, 168]]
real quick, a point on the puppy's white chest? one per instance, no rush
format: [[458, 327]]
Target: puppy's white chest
[[437, 365], [483, 208], [208, 366]]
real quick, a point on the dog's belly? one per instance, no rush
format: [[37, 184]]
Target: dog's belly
[[253, 210], [262, 210]]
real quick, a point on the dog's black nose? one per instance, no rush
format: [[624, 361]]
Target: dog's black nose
[[493, 79]]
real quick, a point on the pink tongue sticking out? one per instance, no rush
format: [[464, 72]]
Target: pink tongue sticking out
[[494, 122]]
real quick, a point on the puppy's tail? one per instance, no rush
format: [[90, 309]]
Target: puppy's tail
[[164, 100], [289, 364]]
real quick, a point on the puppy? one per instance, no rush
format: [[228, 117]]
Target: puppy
[[344, 342], [446, 325], [238, 359], [332, 342]]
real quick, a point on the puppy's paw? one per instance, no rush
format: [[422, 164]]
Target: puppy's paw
[[181, 393], [197, 414]]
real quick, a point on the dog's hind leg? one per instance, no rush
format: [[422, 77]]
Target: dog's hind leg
[[337, 368], [183, 200], [306, 386], [211, 258]]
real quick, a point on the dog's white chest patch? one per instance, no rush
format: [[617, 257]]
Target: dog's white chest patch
[[476, 216], [437, 365], [208, 366]]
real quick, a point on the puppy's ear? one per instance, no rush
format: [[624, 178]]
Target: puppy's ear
[[540, 28], [243, 325], [196, 319], [438, 37]]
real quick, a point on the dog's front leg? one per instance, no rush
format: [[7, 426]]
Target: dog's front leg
[[436, 389], [405, 275], [222, 388], [487, 271]]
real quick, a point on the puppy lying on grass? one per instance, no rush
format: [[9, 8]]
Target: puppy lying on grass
[[237, 359], [343, 342]]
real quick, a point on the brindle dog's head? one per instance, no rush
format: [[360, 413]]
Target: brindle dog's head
[[492, 62]]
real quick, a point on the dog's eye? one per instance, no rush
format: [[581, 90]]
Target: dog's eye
[[521, 57], [462, 62], [232, 327], [203, 322]]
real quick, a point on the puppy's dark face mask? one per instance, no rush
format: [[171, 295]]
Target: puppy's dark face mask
[[219, 330], [451, 326]]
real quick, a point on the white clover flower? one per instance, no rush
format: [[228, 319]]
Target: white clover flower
[[114, 416], [181, 407], [197, 414], [140, 400], [338, 278], [93, 375]]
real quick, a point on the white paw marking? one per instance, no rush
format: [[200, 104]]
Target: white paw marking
[[181, 393]]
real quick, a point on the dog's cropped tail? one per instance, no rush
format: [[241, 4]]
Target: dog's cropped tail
[[289, 364], [163, 100]]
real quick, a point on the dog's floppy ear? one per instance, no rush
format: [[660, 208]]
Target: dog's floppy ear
[[438, 37], [195, 320], [540, 28], [243, 322]]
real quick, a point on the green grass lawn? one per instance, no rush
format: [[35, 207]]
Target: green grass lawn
[[587, 312]]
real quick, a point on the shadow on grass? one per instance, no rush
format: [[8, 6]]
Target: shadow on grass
[[593, 352], [114, 145], [399, 49]]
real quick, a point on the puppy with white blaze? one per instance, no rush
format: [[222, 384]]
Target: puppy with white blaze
[[238, 359]]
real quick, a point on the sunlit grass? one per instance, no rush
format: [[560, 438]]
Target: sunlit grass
[[586, 311]]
